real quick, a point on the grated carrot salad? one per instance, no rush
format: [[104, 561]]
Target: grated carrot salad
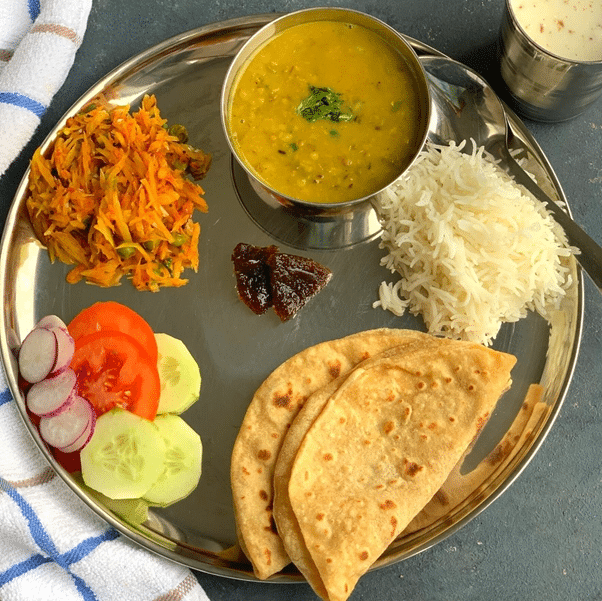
[[113, 198]]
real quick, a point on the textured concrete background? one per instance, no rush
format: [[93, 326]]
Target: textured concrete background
[[542, 540]]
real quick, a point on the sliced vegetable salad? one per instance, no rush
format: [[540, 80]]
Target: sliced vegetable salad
[[112, 197], [106, 394]]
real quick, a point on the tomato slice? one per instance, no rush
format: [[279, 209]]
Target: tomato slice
[[114, 370], [69, 461], [114, 317]]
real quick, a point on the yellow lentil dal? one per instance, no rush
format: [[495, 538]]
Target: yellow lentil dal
[[357, 149]]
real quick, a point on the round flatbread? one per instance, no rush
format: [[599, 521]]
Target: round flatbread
[[382, 446], [269, 415], [284, 516]]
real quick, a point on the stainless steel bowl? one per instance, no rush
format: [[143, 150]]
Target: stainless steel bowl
[[301, 223], [544, 86]]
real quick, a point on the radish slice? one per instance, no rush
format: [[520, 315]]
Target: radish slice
[[53, 394], [37, 355], [65, 347], [50, 322], [83, 440], [45, 351], [86, 435], [70, 427]]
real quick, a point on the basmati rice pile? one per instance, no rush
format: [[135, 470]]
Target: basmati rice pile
[[472, 248]]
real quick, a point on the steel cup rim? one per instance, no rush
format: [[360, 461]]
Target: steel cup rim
[[548, 53]]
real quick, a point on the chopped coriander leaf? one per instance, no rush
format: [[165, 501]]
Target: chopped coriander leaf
[[323, 103]]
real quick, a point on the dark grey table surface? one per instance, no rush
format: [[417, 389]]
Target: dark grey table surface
[[542, 539]]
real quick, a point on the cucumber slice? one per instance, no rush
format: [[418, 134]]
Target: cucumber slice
[[124, 457], [183, 461], [179, 375]]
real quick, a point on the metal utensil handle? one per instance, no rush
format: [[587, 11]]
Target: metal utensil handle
[[590, 257]]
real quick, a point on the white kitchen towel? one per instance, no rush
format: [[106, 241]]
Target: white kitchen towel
[[38, 42], [53, 547]]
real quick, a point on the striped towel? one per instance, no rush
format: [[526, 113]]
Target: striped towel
[[38, 42], [53, 547]]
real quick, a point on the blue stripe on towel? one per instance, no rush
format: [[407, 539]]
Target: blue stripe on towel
[[87, 546], [34, 9], [40, 536], [25, 102], [37, 560], [85, 591], [42, 539], [5, 397], [22, 568]]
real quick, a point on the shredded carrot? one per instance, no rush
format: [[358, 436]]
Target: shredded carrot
[[112, 196]]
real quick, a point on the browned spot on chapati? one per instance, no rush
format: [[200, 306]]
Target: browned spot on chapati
[[499, 453], [412, 468], [441, 497], [482, 421], [283, 399], [334, 369]]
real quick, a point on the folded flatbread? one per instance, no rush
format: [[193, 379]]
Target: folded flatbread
[[284, 516], [381, 446], [462, 488], [269, 415]]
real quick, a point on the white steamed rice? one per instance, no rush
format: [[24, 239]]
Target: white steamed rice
[[472, 248]]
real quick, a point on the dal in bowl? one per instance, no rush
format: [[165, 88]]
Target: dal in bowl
[[325, 108]]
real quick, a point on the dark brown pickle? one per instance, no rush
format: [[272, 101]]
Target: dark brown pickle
[[266, 277], [294, 281], [253, 276]]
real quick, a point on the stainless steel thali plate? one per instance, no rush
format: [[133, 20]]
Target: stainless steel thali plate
[[236, 350]]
